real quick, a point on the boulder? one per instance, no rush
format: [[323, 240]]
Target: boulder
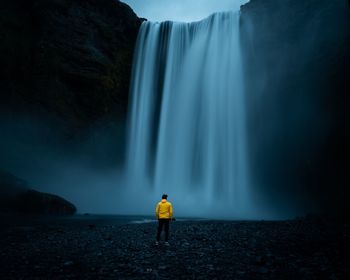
[[17, 197], [34, 202]]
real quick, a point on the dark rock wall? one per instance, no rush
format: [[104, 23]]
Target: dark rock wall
[[297, 65], [66, 60], [38, 203], [17, 197]]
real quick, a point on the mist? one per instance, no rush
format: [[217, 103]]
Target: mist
[[89, 172], [293, 84]]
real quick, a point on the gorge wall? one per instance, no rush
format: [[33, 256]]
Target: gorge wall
[[297, 63], [66, 60], [65, 71]]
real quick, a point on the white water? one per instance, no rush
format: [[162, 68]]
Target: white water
[[187, 119]]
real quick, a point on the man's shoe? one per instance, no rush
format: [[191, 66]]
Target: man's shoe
[[166, 243]]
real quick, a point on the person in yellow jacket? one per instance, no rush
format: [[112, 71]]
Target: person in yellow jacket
[[164, 214]]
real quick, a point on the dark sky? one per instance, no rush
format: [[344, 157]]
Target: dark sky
[[181, 10]]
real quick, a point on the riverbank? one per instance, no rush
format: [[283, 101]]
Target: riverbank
[[112, 248]]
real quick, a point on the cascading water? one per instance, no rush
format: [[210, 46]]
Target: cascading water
[[187, 117]]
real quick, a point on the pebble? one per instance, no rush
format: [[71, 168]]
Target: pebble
[[261, 270], [68, 263], [199, 250]]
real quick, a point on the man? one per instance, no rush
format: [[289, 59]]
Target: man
[[164, 214]]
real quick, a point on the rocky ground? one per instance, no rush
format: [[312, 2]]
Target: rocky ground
[[115, 249]]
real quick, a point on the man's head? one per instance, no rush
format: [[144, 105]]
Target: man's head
[[164, 196]]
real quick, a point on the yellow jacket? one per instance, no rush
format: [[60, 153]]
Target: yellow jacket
[[164, 210]]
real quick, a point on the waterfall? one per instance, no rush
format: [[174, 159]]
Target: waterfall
[[187, 116]]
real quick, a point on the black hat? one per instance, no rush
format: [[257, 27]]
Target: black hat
[[164, 196]]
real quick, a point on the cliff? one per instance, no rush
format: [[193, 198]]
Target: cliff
[[297, 63], [17, 197], [68, 61]]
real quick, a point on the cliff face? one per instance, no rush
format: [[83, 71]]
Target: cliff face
[[17, 197], [297, 61], [66, 60]]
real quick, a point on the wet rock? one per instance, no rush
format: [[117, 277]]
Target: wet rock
[[68, 263], [333, 277], [18, 197], [34, 202], [261, 270]]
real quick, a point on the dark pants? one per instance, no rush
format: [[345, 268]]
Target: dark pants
[[163, 223]]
